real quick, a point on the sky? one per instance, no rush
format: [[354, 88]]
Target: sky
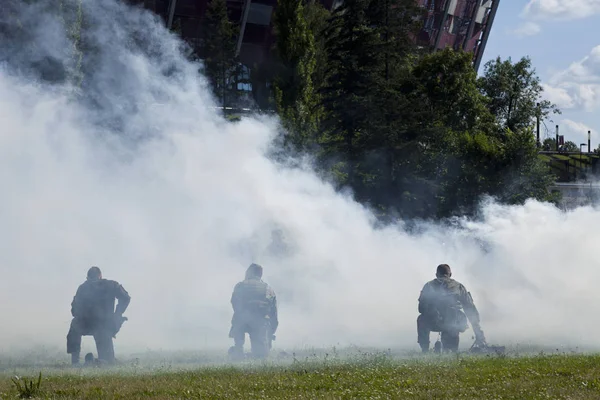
[[560, 37]]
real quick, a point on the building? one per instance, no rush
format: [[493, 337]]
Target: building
[[462, 24]]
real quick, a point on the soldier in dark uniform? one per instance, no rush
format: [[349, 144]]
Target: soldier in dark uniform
[[93, 310], [254, 312], [441, 306]]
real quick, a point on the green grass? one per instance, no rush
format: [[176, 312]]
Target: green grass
[[363, 375], [568, 166]]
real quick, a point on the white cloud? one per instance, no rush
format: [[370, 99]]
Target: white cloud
[[561, 9], [527, 29], [558, 96], [578, 86]]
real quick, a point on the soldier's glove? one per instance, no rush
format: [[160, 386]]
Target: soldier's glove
[[479, 337], [118, 320]]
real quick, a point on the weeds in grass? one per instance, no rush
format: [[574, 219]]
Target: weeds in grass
[[27, 390]]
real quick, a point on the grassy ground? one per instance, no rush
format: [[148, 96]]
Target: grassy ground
[[569, 167], [363, 375]]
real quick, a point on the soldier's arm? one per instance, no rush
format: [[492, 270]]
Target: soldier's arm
[[75, 303], [273, 312], [123, 297], [471, 312], [235, 298], [424, 300]]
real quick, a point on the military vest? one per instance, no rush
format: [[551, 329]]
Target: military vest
[[95, 300], [444, 294], [253, 297]]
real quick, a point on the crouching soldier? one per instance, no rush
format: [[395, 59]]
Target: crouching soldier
[[254, 312], [93, 310], [441, 306]]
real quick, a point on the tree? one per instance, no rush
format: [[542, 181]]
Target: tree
[[218, 51], [348, 94], [316, 17], [446, 86], [462, 155], [523, 175], [389, 141], [549, 144], [397, 23], [514, 90], [569, 146], [296, 61]]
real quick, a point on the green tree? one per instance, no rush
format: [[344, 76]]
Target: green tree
[[514, 90], [522, 174], [72, 18], [569, 146], [350, 90], [397, 23], [389, 143], [463, 156], [316, 17], [446, 137], [218, 51], [296, 61], [446, 87], [549, 144]]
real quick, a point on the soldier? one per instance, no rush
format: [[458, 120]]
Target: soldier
[[93, 310], [440, 306], [254, 312]]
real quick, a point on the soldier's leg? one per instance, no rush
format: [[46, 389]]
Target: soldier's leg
[[104, 346], [238, 334], [74, 341], [450, 340], [423, 332], [258, 340]]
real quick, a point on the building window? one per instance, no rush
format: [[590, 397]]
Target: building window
[[241, 78], [260, 14]]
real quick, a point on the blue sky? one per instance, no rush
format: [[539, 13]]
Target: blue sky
[[562, 38]]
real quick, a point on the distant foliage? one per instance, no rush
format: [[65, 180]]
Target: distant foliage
[[218, 52], [295, 94], [413, 134]]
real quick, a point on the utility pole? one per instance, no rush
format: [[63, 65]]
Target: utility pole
[[589, 141], [537, 118], [172, 5], [556, 137]]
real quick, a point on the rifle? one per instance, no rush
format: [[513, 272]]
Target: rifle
[[478, 348]]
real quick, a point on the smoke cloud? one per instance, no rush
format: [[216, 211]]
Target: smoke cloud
[[135, 172]]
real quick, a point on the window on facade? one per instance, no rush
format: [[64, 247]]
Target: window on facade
[[260, 14], [241, 79]]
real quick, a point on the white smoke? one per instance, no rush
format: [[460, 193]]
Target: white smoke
[[142, 178]]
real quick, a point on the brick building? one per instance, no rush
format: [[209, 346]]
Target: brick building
[[459, 24]]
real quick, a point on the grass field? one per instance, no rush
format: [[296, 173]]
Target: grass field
[[569, 167], [360, 375]]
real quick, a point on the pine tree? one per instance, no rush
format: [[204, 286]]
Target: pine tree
[[218, 51], [294, 91], [348, 95], [316, 17]]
